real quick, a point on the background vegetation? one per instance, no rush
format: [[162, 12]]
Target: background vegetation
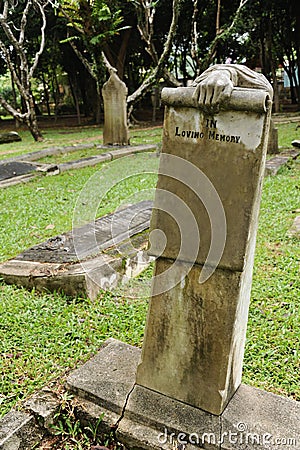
[[70, 45]]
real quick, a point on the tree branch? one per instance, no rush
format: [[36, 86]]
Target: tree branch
[[84, 61], [24, 22], [42, 44], [207, 60], [159, 70]]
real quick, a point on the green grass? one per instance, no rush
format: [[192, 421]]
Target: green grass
[[45, 335], [272, 357], [52, 137], [44, 207], [287, 133], [66, 136]]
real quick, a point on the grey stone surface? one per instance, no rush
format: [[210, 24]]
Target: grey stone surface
[[84, 162], [208, 195], [15, 168], [260, 420], [18, 431], [164, 416], [92, 238], [234, 170], [107, 378], [44, 405], [89, 413], [18, 180], [253, 420], [274, 164], [194, 339]]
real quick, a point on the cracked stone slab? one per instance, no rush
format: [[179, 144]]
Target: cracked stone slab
[[108, 378], [44, 405], [274, 164], [18, 431], [147, 420]]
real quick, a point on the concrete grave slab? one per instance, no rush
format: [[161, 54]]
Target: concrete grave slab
[[82, 261], [144, 419], [20, 169], [274, 164], [15, 168], [14, 172], [18, 431]]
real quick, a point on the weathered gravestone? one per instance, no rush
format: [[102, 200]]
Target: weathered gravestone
[[273, 139], [206, 212], [114, 93]]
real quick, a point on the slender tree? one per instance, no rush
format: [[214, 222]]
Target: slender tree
[[22, 63]]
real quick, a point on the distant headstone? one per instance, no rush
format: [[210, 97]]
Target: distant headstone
[[273, 139], [203, 234], [11, 136], [115, 130]]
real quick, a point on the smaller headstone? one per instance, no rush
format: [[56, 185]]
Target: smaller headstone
[[273, 139], [115, 130], [11, 136]]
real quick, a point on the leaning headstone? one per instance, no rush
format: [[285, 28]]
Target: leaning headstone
[[273, 139], [203, 236], [115, 130]]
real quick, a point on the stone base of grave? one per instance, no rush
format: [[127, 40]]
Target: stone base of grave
[[14, 172], [274, 164], [111, 250], [144, 419]]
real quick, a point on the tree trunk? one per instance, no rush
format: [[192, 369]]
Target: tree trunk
[[46, 93], [75, 99], [31, 122]]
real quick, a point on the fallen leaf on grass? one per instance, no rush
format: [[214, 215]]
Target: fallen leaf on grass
[[50, 226]]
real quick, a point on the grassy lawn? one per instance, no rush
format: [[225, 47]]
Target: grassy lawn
[[43, 336]]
